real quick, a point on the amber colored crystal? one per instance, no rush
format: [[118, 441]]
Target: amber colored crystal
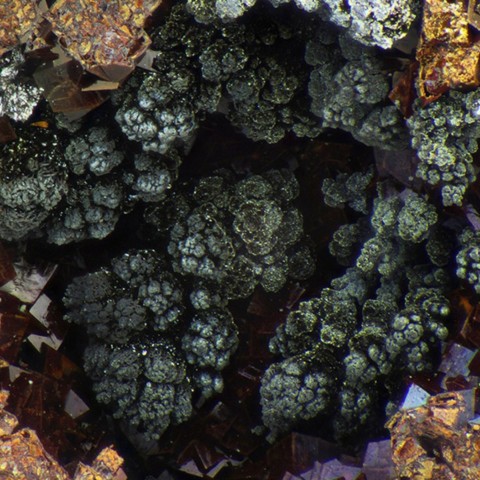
[[448, 54], [61, 85], [436, 441], [17, 18], [403, 93], [106, 37], [107, 466], [23, 456]]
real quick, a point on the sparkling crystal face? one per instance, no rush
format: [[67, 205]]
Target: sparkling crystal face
[[107, 38]]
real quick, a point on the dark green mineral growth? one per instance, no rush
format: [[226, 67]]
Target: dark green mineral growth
[[146, 384], [150, 348], [33, 181], [206, 178], [377, 23], [348, 190], [106, 182], [348, 87], [251, 71], [242, 232], [345, 352], [76, 188], [18, 94], [468, 258], [445, 134]]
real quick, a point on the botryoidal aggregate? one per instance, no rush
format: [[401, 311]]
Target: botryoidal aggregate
[[160, 328], [230, 236], [372, 22], [255, 71], [18, 93], [150, 346], [252, 71], [344, 353], [445, 134], [240, 233], [72, 189]]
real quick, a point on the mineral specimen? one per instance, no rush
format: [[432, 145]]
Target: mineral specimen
[[17, 19], [445, 134], [437, 440], [348, 88], [448, 53], [345, 350], [468, 266], [18, 95], [149, 349], [251, 71], [24, 456], [106, 38], [240, 233], [33, 181], [372, 22]]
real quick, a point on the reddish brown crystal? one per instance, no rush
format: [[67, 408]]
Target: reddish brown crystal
[[106, 37], [22, 455], [436, 441], [17, 19], [449, 56], [13, 327], [403, 93], [62, 87], [7, 132], [7, 270]]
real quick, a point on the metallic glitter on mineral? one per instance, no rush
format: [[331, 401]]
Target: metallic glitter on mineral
[[17, 18], [437, 440], [18, 95], [448, 54], [106, 37]]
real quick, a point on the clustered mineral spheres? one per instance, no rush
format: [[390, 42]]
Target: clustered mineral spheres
[[160, 320]]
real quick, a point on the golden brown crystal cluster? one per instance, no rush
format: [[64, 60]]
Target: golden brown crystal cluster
[[17, 18], [448, 53], [437, 441], [106, 37], [23, 456]]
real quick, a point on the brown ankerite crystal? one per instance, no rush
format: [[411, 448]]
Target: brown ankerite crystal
[[448, 53], [61, 85], [438, 440], [22, 456], [105, 36], [107, 466], [17, 18]]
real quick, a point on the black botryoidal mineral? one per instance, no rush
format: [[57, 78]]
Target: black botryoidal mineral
[[150, 348], [345, 351]]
